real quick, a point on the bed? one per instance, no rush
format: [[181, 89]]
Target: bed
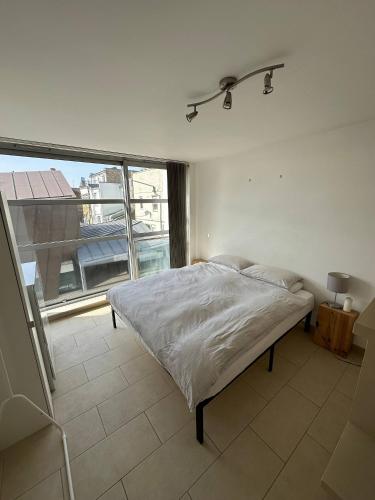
[[207, 323]]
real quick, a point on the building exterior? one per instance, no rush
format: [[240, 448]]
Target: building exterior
[[37, 224], [145, 184], [106, 183]]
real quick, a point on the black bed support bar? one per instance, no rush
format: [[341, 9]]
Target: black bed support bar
[[202, 404], [199, 421], [113, 318], [308, 322], [270, 361]]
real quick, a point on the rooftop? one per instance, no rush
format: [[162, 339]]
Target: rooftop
[[35, 185]]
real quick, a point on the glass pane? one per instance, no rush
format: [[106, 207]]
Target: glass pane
[[49, 223], [152, 255], [69, 272], [148, 217], [102, 263], [32, 178], [148, 183], [102, 183]]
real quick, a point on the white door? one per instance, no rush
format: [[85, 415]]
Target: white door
[[18, 338]]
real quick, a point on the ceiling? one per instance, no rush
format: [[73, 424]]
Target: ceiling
[[117, 74]]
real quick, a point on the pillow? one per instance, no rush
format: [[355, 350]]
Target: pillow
[[274, 275], [296, 287], [231, 261]]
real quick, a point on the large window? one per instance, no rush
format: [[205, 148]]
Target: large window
[[87, 225], [148, 194]]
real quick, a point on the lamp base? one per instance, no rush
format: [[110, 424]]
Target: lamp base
[[334, 305]]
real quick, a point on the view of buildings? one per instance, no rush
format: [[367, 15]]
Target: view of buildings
[[144, 184], [74, 267]]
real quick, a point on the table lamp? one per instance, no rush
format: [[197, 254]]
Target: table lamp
[[338, 283]]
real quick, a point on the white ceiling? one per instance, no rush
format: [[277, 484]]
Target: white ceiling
[[117, 74]]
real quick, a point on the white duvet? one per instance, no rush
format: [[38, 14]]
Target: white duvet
[[196, 319]]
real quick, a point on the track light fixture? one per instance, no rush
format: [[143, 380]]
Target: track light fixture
[[230, 82], [267, 83], [192, 115], [227, 104]]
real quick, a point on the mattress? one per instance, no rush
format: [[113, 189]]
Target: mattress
[[239, 364], [199, 321]]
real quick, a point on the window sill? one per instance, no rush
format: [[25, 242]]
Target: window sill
[[76, 307]]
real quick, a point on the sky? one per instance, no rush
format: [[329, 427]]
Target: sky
[[72, 170]]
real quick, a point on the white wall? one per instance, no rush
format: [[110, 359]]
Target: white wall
[[318, 217]]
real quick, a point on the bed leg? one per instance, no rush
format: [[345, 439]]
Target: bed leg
[[199, 422], [113, 318], [270, 362], [308, 322]]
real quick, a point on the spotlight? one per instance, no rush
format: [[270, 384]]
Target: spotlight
[[192, 115], [227, 104], [267, 83]]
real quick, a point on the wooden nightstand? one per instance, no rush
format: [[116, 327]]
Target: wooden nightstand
[[334, 329], [198, 261]]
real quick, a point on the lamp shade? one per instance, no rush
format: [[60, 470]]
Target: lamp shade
[[338, 282]]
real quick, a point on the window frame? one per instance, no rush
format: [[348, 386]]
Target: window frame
[[43, 151], [132, 239]]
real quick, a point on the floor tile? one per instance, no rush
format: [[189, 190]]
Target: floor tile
[[116, 339], [169, 415], [79, 354], [31, 461], [64, 344], [109, 360], [93, 334], [100, 314], [69, 326], [297, 346], [83, 432], [88, 395], [50, 488], [318, 376], [258, 405], [244, 472], [117, 492], [300, 479], [356, 355], [266, 383], [120, 337], [69, 379], [348, 382], [230, 412], [103, 465], [136, 398], [138, 368], [330, 421], [171, 469], [284, 420]]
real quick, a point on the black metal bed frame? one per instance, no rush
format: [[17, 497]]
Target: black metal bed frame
[[200, 406]]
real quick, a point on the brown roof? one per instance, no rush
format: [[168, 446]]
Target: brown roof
[[35, 184]]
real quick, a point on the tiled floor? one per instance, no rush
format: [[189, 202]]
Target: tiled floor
[[130, 436]]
